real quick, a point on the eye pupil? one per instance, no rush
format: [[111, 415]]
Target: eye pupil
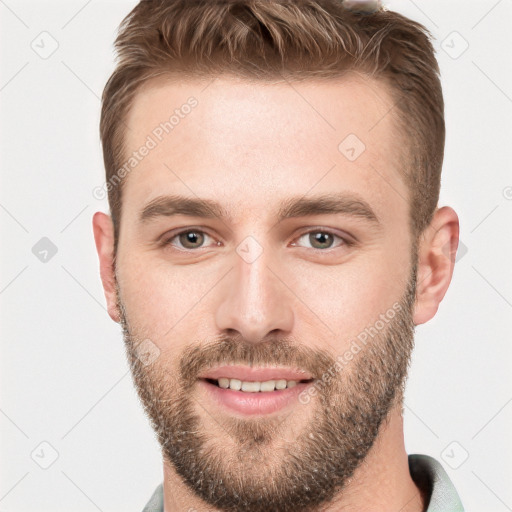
[[320, 238], [189, 239]]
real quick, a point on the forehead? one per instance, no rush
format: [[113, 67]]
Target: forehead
[[240, 141]]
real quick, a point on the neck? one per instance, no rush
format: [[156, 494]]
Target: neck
[[382, 481]]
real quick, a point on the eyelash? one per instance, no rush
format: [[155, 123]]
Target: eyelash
[[346, 241]]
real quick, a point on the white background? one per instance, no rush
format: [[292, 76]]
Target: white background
[[64, 379]]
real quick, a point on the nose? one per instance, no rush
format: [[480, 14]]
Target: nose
[[256, 300]]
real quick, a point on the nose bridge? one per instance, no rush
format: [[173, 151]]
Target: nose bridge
[[255, 302]]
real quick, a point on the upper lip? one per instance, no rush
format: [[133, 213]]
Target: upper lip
[[261, 374]]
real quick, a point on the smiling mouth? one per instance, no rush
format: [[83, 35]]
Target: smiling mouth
[[247, 386]]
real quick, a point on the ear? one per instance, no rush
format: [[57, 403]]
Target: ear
[[436, 260], [104, 238]]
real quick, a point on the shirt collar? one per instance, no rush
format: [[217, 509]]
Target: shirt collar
[[428, 474]]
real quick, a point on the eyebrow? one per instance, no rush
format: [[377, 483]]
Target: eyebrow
[[327, 204], [170, 205]]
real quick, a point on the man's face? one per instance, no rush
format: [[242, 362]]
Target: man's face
[[267, 292]]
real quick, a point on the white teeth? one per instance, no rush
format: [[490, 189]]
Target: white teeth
[[252, 387], [269, 385], [255, 386], [235, 384], [280, 384], [224, 383]]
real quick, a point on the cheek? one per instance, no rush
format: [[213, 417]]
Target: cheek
[[160, 299], [344, 300]]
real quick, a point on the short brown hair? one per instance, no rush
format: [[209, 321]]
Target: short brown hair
[[295, 40]]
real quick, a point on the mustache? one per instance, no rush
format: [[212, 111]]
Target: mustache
[[235, 350]]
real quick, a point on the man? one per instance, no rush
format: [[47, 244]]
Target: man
[[273, 172]]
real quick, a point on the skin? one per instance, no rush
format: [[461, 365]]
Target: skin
[[250, 146]]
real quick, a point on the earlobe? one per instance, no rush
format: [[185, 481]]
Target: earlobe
[[436, 260], [104, 239]]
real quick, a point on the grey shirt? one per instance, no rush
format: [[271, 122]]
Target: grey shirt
[[426, 472]]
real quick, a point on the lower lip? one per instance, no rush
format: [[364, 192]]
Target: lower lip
[[262, 402]]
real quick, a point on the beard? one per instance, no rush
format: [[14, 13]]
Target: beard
[[251, 464]]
